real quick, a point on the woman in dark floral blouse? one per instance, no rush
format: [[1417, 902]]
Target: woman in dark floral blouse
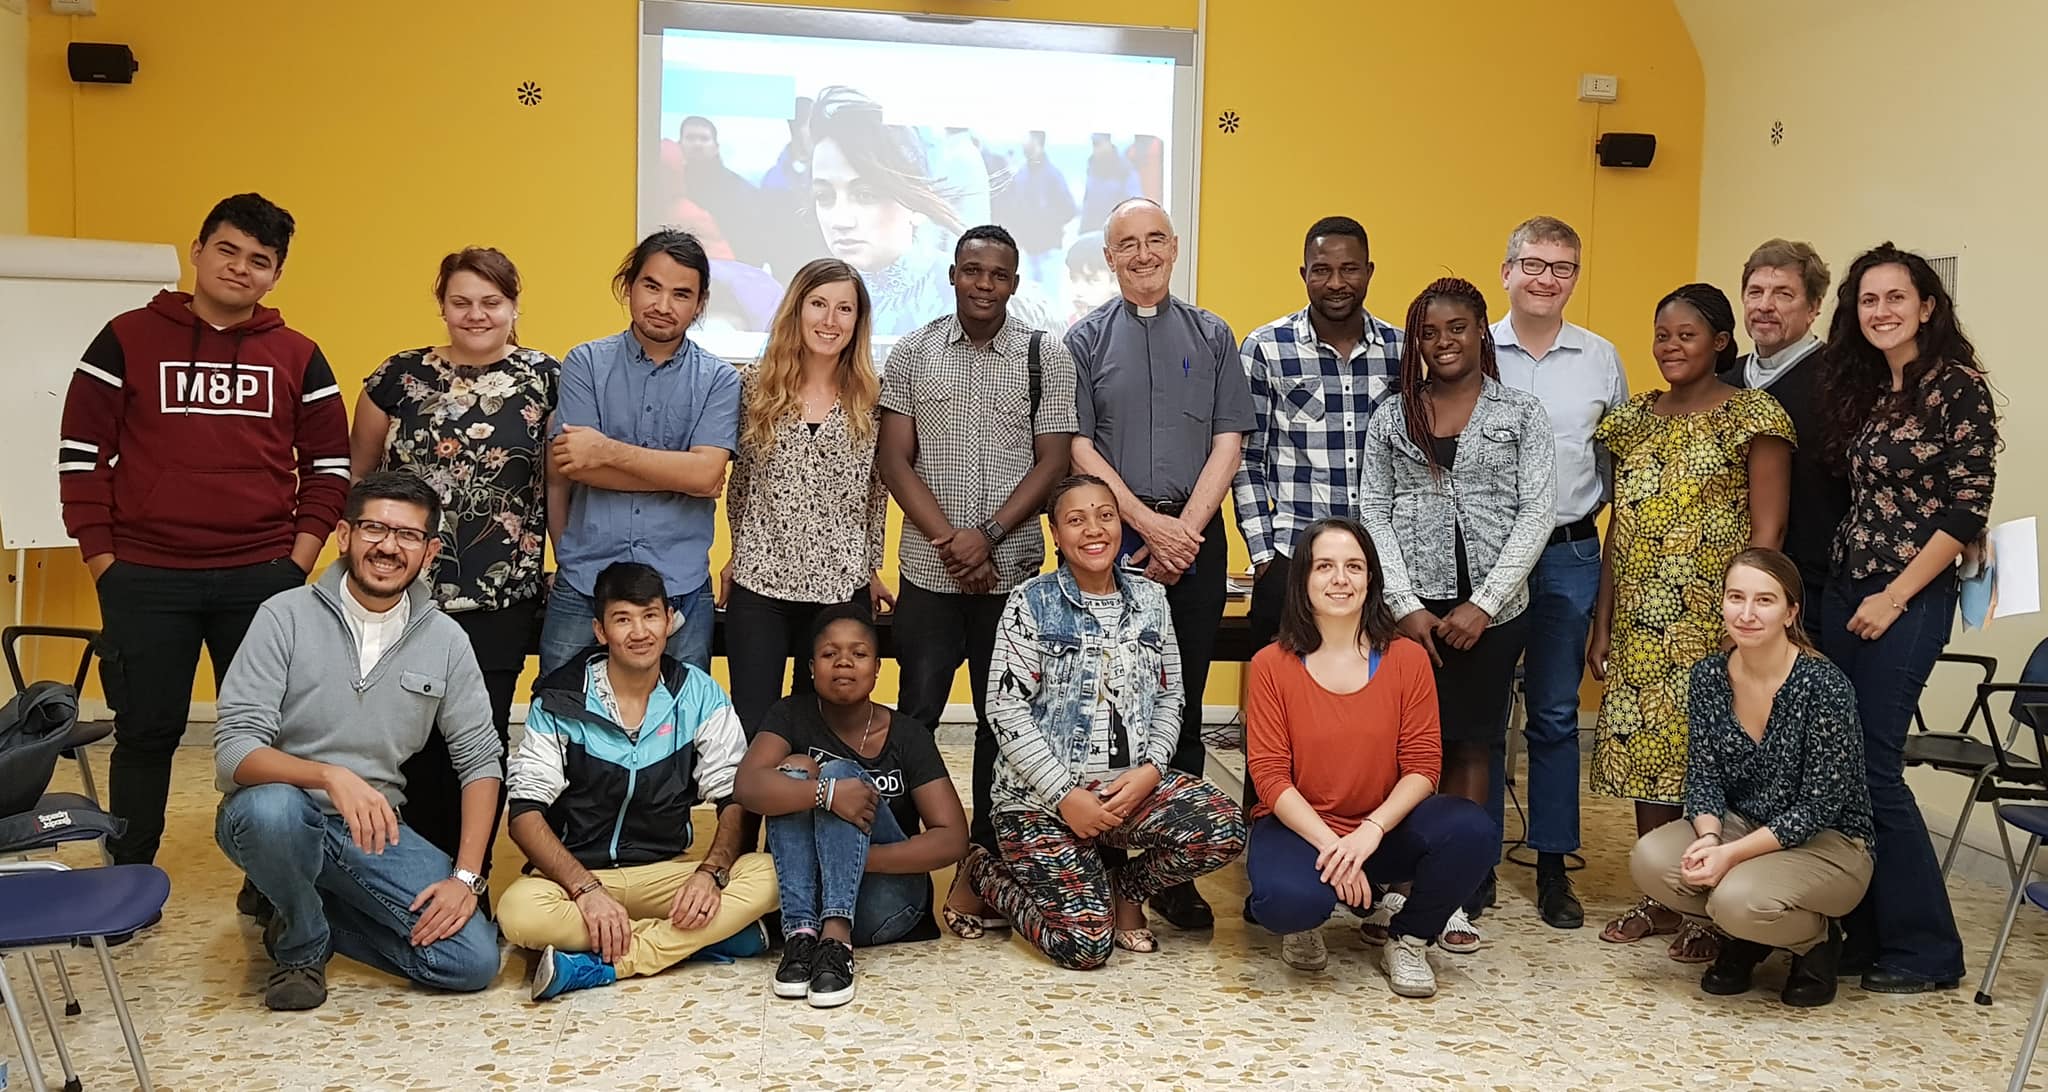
[[1775, 841], [471, 418], [1910, 421]]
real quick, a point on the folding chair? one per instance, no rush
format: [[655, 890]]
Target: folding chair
[[2037, 893], [2032, 819], [1996, 773], [83, 731], [45, 906]]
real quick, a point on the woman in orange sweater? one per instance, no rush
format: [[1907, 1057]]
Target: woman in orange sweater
[[1344, 749]]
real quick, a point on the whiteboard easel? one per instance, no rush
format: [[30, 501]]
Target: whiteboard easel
[[55, 294]]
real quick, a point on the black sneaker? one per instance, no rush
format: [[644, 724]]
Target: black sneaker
[[831, 974], [1555, 900], [295, 989], [1184, 907], [793, 974], [250, 903]]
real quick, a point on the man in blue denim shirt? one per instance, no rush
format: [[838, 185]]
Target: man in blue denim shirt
[[645, 428]]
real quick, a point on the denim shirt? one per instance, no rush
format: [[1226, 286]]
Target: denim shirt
[[1046, 676], [1500, 492]]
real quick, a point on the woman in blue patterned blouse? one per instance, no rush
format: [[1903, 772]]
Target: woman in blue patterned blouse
[[1775, 842]]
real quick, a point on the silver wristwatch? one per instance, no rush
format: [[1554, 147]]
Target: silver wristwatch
[[471, 880]]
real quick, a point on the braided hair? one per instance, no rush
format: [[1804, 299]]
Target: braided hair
[[1415, 409], [1713, 305]]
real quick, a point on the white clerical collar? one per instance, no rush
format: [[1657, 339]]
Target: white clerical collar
[[1789, 355], [1145, 310]]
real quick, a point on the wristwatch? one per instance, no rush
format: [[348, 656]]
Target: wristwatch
[[471, 880], [993, 531], [720, 876]]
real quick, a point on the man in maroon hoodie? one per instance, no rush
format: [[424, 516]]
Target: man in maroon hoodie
[[203, 463]]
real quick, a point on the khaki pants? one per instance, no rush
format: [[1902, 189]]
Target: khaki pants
[[1780, 900], [536, 912]]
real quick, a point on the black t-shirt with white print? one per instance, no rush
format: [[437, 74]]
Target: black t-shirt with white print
[[908, 759]]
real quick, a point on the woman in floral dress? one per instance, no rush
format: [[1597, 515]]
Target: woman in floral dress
[[1701, 472], [471, 418]]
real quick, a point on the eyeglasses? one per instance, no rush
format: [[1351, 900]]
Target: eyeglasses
[[1534, 267], [1129, 247], [374, 532]]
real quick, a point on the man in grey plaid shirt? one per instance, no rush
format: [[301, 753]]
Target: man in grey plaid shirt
[[977, 419]]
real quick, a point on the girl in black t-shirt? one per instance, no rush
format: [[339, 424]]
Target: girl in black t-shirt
[[860, 810]]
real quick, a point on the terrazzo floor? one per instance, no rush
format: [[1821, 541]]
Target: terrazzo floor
[[1535, 1009]]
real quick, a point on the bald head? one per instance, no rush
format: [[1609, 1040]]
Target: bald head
[[1140, 246]]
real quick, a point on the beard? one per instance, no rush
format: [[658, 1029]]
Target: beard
[[378, 584]]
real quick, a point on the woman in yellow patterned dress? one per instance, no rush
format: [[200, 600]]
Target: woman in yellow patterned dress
[[1701, 472]]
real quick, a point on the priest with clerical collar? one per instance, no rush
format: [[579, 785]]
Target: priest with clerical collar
[[1163, 405]]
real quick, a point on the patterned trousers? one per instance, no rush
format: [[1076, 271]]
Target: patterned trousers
[[1058, 894]]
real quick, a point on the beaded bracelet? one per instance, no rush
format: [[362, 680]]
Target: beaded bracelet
[[819, 801]]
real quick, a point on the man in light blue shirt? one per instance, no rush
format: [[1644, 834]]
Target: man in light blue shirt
[[1578, 376], [646, 424]]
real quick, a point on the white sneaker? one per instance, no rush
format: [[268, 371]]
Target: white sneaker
[[1459, 925], [1305, 951], [1373, 930], [1407, 964]]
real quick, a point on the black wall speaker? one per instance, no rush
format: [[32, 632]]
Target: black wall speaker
[[1626, 149], [101, 62]]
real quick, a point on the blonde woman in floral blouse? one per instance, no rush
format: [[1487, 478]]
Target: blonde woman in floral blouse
[[1911, 422], [807, 510], [470, 417]]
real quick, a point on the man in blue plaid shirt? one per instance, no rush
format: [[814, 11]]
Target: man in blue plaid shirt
[[1316, 376]]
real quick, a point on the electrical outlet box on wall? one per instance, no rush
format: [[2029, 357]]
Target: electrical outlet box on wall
[[74, 7], [1599, 88]]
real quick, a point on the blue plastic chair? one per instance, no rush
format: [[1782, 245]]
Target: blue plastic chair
[[2032, 820], [2037, 893], [47, 907]]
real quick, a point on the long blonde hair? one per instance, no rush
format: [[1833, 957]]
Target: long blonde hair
[[774, 394]]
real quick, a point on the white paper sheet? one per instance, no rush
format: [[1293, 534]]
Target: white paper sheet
[[2016, 550]]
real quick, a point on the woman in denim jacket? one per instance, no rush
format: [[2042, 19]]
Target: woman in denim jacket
[[1459, 497], [1084, 694]]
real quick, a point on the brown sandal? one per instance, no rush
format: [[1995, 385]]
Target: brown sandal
[[1641, 921], [1696, 943]]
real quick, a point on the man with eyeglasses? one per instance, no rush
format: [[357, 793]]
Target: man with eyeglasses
[[1578, 376], [336, 685], [1163, 406]]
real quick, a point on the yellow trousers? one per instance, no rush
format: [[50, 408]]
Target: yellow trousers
[[535, 912]]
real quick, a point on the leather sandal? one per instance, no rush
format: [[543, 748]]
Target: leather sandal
[[1640, 921]]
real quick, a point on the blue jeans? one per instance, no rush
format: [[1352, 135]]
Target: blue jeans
[[567, 629], [1562, 591], [1444, 847], [333, 897], [1904, 923], [821, 863]]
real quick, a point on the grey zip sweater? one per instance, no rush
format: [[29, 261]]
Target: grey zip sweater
[[297, 685]]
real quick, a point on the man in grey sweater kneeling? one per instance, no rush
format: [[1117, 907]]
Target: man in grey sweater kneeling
[[335, 686]]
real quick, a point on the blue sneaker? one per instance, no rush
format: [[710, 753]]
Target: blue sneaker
[[745, 944], [561, 972]]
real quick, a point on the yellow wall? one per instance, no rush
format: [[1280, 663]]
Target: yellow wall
[[1920, 140], [13, 118], [391, 131]]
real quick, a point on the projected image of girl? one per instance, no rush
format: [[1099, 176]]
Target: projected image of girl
[[880, 210]]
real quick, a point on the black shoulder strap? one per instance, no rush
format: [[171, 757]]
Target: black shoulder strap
[[1037, 342]]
